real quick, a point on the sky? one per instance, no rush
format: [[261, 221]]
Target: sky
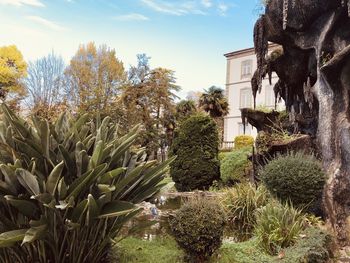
[[187, 36]]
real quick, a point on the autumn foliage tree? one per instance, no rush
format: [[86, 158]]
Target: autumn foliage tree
[[149, 98], [13, 69], [94, 80]]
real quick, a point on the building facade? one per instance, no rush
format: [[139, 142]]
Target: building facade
[[241, 66]]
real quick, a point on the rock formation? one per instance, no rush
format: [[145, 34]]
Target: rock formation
[[314, 73]]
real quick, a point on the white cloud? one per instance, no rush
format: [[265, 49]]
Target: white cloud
[[177, 8], [36, 3], [207, 3], [188, 7], [163, 7], [223, 8], [47, 23], [131, 17]]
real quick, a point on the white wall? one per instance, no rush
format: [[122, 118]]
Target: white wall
[[234, 84]]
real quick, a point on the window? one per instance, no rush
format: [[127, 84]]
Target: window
[[246, 69], [269, 96], [245, 98], [248, 129]]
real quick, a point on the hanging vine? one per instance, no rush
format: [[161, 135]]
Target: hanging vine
[[285, 13], [261, 46]]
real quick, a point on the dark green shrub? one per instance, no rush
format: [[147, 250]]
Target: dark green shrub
[[243, 141], [313, 246], [241, 203], [198, 228], [235, 166], [278, 226], [196, 146], [296, 177], [67, 189]]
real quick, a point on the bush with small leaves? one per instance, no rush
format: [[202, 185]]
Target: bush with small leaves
[[198, 228], [243, 141], [296, 177], [196, 145], [235, 167]]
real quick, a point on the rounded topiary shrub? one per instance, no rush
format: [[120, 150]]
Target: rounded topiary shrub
[[196, 145], [295, 177], [198, 228], [235, 167], [243, 141]]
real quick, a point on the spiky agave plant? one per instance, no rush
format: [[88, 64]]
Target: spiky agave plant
[[67, 188]]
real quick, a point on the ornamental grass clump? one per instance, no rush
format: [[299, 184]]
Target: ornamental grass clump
[[198, 228], [241, 204], [278, 226], [67, 188], [295, 177]]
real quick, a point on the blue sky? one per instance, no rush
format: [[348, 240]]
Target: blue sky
[[187, 36]]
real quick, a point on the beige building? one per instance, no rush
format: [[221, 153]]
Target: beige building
[[241, 66]]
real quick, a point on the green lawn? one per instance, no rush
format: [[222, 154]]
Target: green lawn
[[311, 248], [164, 250], [160, 250]]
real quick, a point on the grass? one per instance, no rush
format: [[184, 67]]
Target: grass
[[244, 252], [159, 250], [310, 248]]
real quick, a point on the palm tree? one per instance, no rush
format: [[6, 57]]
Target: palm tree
[[215, 103], [184, 109]]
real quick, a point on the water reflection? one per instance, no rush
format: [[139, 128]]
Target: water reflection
[[153, 221]]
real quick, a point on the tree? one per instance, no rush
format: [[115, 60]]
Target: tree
[[149, 98], [184, 109], [13, 69], [194, 96], [215, 103], [45, 85], [95, 77], [196, 145]]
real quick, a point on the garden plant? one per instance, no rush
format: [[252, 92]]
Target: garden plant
[[67, 188]]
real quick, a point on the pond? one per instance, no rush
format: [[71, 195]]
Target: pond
[[153, 222]]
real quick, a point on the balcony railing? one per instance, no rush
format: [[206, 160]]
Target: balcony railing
[[227, 145]]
